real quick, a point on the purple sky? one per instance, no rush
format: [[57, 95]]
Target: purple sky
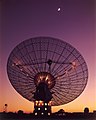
[[74, 23]]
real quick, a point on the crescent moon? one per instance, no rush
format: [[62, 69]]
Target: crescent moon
[[59, 9]]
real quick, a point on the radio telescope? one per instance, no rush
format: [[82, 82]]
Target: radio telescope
[[47, 71]]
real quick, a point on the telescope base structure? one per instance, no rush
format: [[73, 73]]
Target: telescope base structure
[[42, 108], [42, 96]]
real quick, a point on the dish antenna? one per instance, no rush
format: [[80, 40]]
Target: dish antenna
[[47, 71]]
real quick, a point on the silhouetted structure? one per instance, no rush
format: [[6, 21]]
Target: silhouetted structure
[[5, 108], [61, 112], [47, 71], [20, 112], [42, 96], [86, 110]]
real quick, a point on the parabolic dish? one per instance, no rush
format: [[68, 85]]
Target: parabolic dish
[[31, 58]]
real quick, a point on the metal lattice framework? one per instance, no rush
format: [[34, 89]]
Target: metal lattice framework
[[56, 59]]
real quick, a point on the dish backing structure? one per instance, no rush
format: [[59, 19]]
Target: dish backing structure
[[47, 71]]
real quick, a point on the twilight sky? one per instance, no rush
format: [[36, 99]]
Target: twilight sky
[[74, 23]]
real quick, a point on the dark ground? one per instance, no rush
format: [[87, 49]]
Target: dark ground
[[67, 116]]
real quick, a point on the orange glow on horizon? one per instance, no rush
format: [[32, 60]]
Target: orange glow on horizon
[[19, 103]]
